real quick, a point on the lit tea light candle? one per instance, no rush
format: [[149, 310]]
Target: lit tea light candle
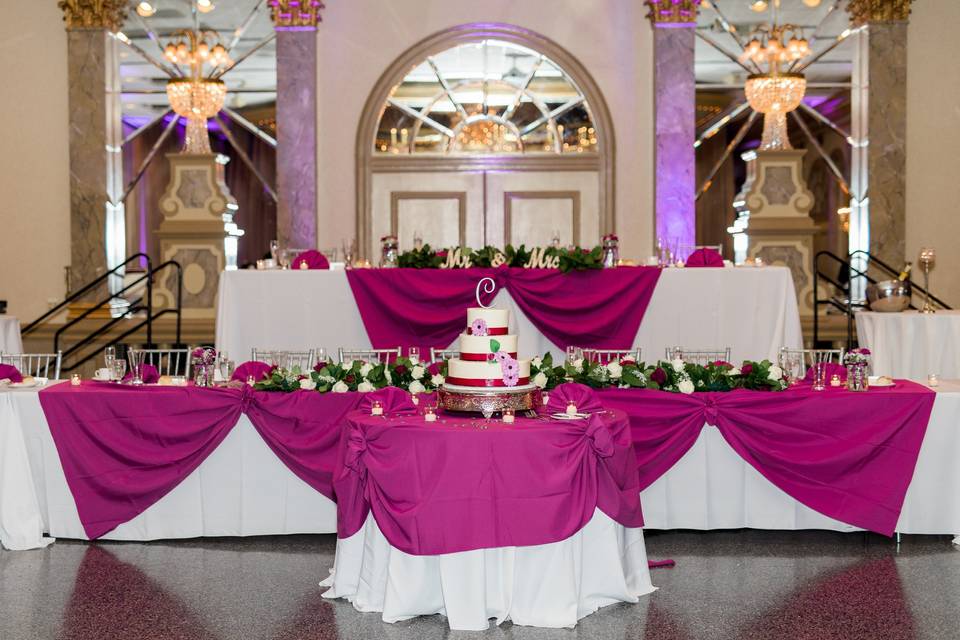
[[377, 409], [75, 379], [835, 380], [303, 265], [508, 416], [416, 399], [933, 380], [430, 415], [571, 409], [251, 381]]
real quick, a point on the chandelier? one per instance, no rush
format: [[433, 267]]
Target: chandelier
[[195, 97], [776, 92]]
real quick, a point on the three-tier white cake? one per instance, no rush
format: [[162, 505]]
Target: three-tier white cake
[[488, 353]]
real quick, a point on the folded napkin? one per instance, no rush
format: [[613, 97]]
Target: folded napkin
[[392, 399], [832, 368], [9, 372], [704, 258], [312, 258], [259, 371], [579, 394], [149, 374]]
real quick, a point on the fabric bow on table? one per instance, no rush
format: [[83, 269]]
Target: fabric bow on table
[[832, 369], [148, 374], [10, 372], [313, 259], [704, 258], [393, 400], [257, 370], [599, 433], [579, 394]]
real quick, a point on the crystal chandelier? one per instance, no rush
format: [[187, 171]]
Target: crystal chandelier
[[776, 92], [195, 97]]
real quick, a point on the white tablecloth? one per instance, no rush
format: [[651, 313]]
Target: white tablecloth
[[753, 311], [10, 335], [912, 344], [550, 585], [243, 489]]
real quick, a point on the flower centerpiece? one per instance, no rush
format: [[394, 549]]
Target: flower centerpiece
[[857, 361], [204, 363], [357, 375]]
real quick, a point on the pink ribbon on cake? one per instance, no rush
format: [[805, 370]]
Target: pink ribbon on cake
[[480, 382], [483, 357]]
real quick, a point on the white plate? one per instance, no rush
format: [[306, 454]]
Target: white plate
[[874, 381], [567, 416], [23, 385]]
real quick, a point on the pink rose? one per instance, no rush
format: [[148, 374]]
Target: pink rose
[[659, 376], [746, 370]]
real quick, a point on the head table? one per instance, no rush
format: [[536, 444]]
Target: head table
[[751, 310], [193, 462]]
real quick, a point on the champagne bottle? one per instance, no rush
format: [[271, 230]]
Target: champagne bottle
[[905, 274]]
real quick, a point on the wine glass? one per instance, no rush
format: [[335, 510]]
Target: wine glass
[[928, 258], [414, 354], [349, 249], [275, 251], [321, 356], [119, 370], [109, 357], [227, 367], [417, 240], [136, 358]]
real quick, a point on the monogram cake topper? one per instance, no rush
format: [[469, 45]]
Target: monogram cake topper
[[487, 285]]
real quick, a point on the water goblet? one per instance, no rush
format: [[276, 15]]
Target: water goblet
[[109, 357], [136, 358], [414, 354]]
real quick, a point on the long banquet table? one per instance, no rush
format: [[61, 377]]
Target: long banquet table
[[751, 310], [243, 488]]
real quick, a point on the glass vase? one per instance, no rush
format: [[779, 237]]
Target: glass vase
[[203, 374], [857, 379]]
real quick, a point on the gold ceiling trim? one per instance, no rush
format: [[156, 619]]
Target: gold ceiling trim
[[94, 14], [866, 11], [295, 14], [673, 13]]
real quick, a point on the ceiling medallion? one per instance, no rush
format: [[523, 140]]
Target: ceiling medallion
[[682, 13], [864, 11], [94, 14]]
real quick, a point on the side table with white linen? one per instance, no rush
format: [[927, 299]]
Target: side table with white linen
[[911, 344], [10, 335]]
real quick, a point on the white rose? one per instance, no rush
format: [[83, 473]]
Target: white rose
[[734, 371], [416, 387], [615, 369], [308, 384], [340, 387], [436, 380], [578, 365], [418, 372], [677, 365], [386, 373], [365, 387], [685, 386], [347, 365], [536, 362], [775, 373], [540, 380], [365, 369]]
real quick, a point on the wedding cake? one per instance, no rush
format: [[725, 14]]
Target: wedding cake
[[488, 353]]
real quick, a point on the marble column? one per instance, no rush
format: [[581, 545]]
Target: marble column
[[90, 51], [296, 25], [885, 113], [673, 23]]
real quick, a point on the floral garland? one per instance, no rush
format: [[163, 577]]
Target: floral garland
[[562, 258], [416, 377], [676, 376], [357, 375]]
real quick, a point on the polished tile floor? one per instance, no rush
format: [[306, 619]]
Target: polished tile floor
[[739, 584]]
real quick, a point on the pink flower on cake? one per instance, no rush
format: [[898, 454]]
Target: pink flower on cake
[[501, 356], [479, 327], [511, 371]]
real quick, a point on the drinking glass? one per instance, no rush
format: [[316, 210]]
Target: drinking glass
[[227, 367], [119, 369], [417, 240], [136, 357], [414, 354], [321, 356], [285, 255], [349, 250], [820, 361], [275, 251], [573, 354], [109, 357]]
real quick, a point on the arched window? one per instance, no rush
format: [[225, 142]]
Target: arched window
[[487, 97]]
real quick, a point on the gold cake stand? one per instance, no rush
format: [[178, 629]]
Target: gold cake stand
[[489, 400]]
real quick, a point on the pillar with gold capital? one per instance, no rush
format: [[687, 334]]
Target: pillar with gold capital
[[296, 24], [878, 219], [673, 24], [95, 133]]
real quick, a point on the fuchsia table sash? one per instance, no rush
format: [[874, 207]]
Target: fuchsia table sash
[[450, 486], [427, 307], [848, 455]]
